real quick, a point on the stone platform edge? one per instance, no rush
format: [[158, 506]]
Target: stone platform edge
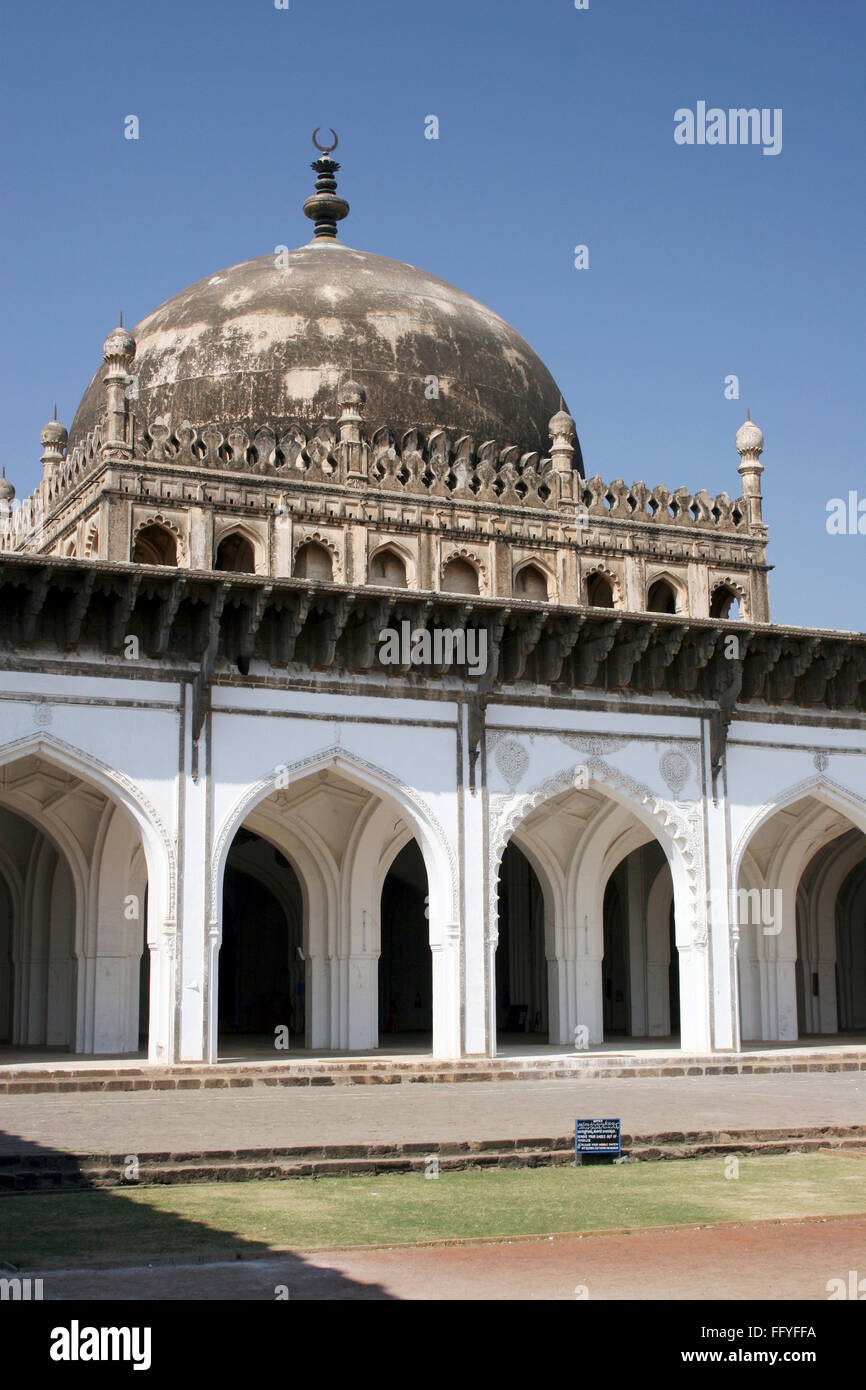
[[328, 1072]]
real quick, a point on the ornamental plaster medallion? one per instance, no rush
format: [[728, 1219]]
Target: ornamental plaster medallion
[[821, 761], [512, 761], [42, 715], [596, 744], [675, 768]]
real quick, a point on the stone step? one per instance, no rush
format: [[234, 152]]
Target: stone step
[[35, 1173], [330, 1072]]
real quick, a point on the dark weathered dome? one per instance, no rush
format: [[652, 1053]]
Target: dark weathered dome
[[270, 340]]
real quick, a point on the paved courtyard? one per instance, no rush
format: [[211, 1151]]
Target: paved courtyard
[[148, 1121]]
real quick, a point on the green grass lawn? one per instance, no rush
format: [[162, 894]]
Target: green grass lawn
[[242, 1220]]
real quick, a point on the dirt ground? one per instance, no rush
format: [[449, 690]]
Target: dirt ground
[[767, 1261]]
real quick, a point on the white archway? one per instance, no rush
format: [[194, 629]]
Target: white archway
[[98, 820], [343, 979], [627, 817], [771, 855]]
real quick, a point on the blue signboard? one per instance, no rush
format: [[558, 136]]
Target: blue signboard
[[597, 1137]]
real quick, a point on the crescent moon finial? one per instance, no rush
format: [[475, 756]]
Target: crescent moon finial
[[325, 149]]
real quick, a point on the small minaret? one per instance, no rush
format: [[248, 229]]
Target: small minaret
[[117, 354], [351, 399], [7, 497], [326, 208], [54, 439], [750, 445], [562, 432]]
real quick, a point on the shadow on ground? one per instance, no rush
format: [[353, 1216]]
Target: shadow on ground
[[172, 1257]]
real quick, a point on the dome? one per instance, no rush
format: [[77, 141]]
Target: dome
[[7, 491], [269, 341]]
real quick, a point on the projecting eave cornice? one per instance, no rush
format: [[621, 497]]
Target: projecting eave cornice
[[212, 621]]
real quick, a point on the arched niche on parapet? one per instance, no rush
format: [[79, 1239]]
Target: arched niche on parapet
[[389, 567], [155, 544], [532, 580], [236, 553]]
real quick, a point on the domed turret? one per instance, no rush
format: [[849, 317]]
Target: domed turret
[[54, 434], [119, 345], [54, 439], [749, 438], [7, 491], [561, 424], [351, 396]]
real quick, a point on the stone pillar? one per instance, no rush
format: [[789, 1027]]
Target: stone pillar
[[201, 537], [363, 1002], [658, 955], [197, 936], [721, 922], [479, 925], [317, 993], [281, 539], [588, 948], [162, 945], [694, 998], [636, 919], [693, 947], [560, 987]]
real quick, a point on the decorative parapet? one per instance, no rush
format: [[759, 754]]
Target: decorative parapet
[[22, 525], [435, 467]]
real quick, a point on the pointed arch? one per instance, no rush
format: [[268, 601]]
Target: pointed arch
[[156, 542], [236, 550], [667, 825], [724, 593], [666, 593], [460, 562], [602, 587], [533, 580], [315, 545], [839, 798], [435, 846], [391, 565], [119, 788]]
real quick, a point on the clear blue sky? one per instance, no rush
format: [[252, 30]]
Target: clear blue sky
[[556, 128]]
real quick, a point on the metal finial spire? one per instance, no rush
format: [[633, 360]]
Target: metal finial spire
[[748, 416], [325, 207], [120, 320]]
